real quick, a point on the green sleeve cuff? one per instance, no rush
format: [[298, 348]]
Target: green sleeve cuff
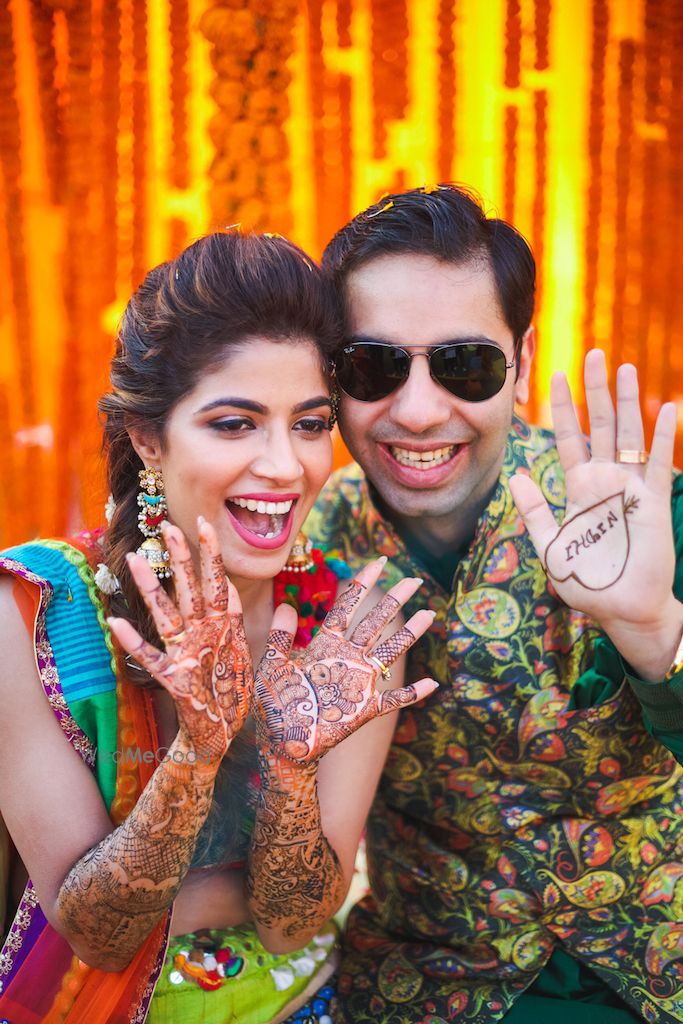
[[662, 702]]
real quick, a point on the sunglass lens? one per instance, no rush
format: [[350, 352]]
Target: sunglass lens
[[368, 372], [473, 373]]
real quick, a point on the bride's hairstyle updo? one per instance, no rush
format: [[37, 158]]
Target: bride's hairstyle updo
[[221, 291]]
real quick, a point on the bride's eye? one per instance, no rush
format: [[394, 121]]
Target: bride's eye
[[232, 425], [311, 425]]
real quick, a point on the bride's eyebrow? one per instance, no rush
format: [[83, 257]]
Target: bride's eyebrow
[[237, 403], [313, 403], [249, 406]]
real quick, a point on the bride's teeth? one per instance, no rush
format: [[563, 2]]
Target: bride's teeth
[[423, 460], [272, 508]]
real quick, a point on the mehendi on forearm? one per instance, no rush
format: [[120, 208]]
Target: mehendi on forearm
[[115, 894], [294, 881], [304, 708]]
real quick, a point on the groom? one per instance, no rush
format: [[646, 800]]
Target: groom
[[522, 847]]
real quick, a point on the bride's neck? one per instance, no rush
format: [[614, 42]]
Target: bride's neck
[[254, 594]]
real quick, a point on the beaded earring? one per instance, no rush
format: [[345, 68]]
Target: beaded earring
[[300, 559], [152, 502]]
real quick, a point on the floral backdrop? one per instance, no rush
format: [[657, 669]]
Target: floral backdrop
[[129, 127]]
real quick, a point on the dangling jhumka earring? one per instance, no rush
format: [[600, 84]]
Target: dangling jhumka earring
[[300, 556], [152, 502]]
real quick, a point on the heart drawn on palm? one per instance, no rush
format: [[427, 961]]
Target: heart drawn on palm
[[592, 546]]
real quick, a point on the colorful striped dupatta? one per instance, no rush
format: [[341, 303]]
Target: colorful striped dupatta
[[42, 980]]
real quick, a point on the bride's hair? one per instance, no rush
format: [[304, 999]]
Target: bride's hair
[[186, 315]]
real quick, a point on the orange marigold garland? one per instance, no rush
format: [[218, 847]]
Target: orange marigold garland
[[446, 91], [250, 173], [389, 51], [140, 162], [325, 215], [110, 104], [11, 169], [596, 132], [512, 72], [77, 264], [180, 89], [344, 8], [624, 155], [42, 30], [653, 228], [671, 366], [542, 13], [11, 512]]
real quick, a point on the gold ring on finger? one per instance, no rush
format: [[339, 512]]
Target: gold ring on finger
[[631, 456], [386, 672], [175, 638]]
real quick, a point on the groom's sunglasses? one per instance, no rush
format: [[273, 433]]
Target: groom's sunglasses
[[371, 370]]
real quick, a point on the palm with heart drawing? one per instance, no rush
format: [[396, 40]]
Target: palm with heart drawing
[[613, 555]]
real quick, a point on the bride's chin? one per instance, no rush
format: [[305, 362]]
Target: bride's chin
[[264, 566]]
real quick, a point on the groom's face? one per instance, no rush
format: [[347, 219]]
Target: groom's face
[[428, 453]]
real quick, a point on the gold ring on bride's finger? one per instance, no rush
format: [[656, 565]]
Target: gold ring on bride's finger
[[175, 638], [631, 456], [386, 672]]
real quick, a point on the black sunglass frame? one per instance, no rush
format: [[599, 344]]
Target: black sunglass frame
[[430, 351]]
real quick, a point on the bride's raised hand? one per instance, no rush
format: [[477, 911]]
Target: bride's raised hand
[[205, 665], [613, 554], [304, 707]]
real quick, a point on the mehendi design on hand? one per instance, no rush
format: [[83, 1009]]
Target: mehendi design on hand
[[206, 666], [374, 622], [392, 700], [294, 882], [167, 618], [219, 600], [340, 614], [592, 546], [114, 895], [279, 643], [306, 707], [395, 646], [303, 708]]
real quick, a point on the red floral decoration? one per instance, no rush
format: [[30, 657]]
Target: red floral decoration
[[311, 593]]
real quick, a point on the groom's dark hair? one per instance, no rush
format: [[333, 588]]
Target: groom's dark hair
[[447, 222]]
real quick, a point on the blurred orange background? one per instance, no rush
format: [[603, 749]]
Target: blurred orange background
[[128, 128]]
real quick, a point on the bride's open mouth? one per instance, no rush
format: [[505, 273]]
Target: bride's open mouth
[[263, 520]]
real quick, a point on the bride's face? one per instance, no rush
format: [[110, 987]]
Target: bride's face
[[248, 448]]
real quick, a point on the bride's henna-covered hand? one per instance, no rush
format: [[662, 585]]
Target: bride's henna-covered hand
[[295, 881], [613, 555], [114, 895], [206, 664], [307, 706]]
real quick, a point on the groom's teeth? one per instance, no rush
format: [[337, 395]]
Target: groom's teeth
[[422, 460], [273, 508]]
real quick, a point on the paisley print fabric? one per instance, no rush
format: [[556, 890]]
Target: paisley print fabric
[[508, 821]]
